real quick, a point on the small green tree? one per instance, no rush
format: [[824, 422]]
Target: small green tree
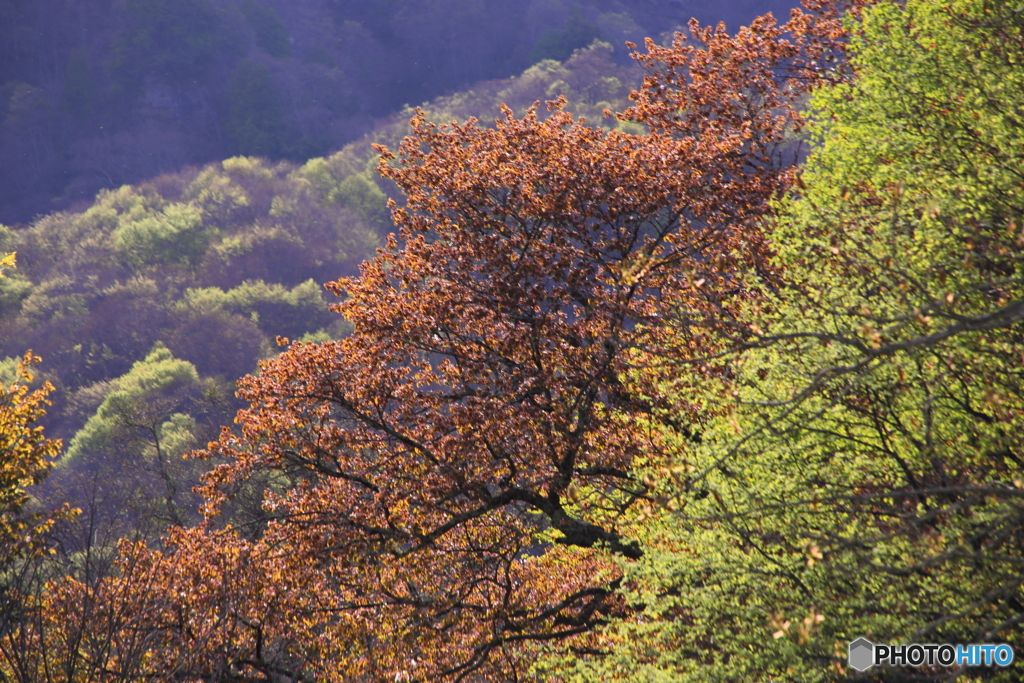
[[139, 434]]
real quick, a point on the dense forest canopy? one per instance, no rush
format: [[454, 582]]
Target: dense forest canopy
[[95, 94], [698, 376]]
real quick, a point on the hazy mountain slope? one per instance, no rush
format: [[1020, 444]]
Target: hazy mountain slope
[[95, 94]]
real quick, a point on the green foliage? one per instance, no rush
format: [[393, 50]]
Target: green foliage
[[325, 174], [100, 287], [13, 290], [219, 198], [158, 376], [178, 435], [860, 468], [246, 167], [53, 300], [360, 193], [9, 370], [318, 337], [173, 235], [276, 309]]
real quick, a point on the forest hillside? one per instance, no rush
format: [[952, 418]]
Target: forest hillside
[[96, 94]]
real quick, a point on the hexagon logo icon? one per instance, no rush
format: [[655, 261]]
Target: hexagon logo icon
[[861, 654]]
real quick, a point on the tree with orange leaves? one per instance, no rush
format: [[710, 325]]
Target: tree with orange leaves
[[449, 482], [26, 456]]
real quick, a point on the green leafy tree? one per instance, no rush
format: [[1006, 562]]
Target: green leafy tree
[[159, 374], [859, 466], [276, 309], [140, 432], [175, 233]]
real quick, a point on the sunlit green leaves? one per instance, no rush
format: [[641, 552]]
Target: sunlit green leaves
[[159, 376], [860, 471]]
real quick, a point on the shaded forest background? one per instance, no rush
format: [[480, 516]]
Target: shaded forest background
[[98, 93]]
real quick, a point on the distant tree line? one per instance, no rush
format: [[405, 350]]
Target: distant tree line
[[96, 94]]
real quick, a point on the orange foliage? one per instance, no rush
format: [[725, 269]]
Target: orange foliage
[[26, 456]]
